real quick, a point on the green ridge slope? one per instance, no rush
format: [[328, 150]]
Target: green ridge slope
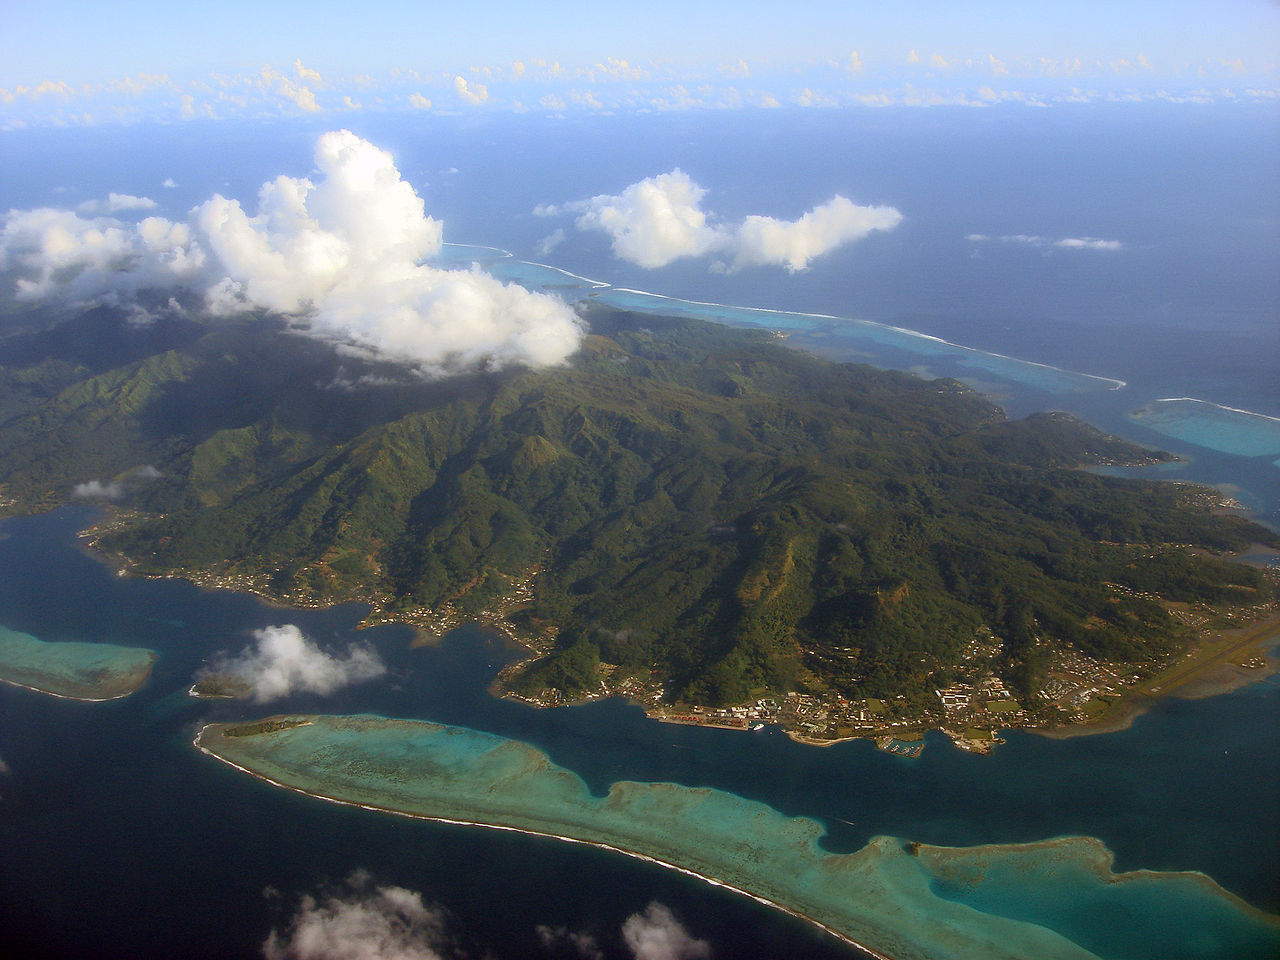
[[683, 500]]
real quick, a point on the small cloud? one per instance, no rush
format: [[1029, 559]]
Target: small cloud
[[814, 98], [551, 102], [98, 490], [474, 93], [282, 661], [855, 62], [1088, 243], [419, 102], [169, 183], [47, 88], [117, 203], [657, 935], [1033, 240], [295, 91], [583, 944], [306, 74], [127, 201], [761, 241], [117, 488], [363, 921], [551, 241]]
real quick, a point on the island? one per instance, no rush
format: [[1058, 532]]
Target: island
[[700, 518], [893, 898], [71, 669]]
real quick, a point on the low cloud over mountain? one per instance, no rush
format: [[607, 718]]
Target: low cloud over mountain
[[348, 256]]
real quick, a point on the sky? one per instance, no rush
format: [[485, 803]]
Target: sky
[[76, 62]]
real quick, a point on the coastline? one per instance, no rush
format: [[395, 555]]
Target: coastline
[[1221, 675], [886, 892], [868, 950], [77, 698], [1212, 679], [73, 669]]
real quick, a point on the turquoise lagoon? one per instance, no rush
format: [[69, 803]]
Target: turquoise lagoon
[[1211, 425], [906, 348], [1049, 900], [1021, 386], [1201, 423], [71, 669]]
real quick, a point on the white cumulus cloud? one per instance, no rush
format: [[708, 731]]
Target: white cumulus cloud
[[655, 221], [660, 219], [282, 661], [347, 256], [793, 243], [363, 921], [657, 935], [57, 254]]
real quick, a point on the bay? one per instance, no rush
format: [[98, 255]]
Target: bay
[[121, 839]]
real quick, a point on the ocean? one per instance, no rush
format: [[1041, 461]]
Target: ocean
[[122, 840]]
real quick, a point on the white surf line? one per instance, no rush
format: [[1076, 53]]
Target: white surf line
[[67, 696], [477, 246], [1220, 406], [1116, 384], [546, 266], [730, 306], [870, 951]]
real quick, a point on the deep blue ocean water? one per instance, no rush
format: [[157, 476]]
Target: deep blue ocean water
[[121, 840]]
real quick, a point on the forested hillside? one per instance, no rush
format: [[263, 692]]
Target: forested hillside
[[683, 497]]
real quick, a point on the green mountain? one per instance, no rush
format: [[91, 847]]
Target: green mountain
[[683, 500]]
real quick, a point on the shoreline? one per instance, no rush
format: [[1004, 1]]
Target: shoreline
[[1211, 679], [1221, 675], [375, 808], [1230, 677], [70, 696], [846, 925], [1116, 384]]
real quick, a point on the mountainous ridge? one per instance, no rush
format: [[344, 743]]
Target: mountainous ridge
[[682, 500]]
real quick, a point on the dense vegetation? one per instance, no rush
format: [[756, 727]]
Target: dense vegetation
[[693, 499]]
